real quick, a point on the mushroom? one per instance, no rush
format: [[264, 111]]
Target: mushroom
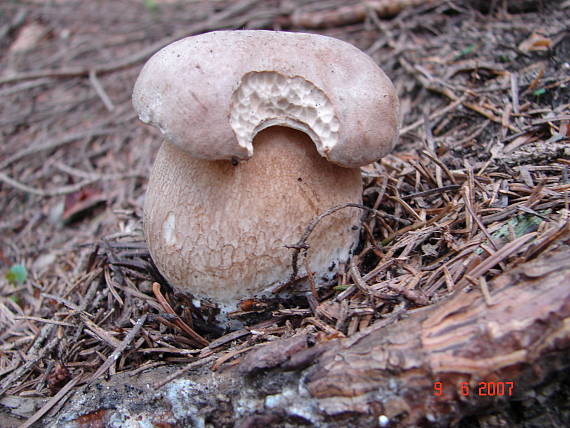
[[263, 132]]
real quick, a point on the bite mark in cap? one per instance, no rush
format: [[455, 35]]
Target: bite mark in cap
[[268, 98]]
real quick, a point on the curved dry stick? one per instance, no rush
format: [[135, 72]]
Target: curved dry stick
[[301, 244]]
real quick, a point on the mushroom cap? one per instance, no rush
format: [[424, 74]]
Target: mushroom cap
[[211, 94]]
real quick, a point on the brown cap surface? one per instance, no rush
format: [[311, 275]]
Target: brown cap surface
[[210, 94]]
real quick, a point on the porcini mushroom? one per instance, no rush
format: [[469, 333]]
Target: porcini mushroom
[[263, 132]]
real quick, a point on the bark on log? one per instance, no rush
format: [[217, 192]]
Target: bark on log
[[386, 373]]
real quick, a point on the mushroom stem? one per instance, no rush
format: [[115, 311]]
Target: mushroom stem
[[226, 228]]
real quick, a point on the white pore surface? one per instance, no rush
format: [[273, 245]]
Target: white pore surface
[[267, 98]]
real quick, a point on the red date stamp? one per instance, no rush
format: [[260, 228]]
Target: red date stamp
[[482, 389]]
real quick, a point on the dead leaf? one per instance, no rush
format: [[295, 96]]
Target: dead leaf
[[81, 202], [535, 42], [28, 38]]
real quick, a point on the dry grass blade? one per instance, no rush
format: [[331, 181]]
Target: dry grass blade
[[52, 401], [35, 353], [501, 255], [119, 349], [200, 341]]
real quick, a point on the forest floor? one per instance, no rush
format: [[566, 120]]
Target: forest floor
[[483, 161]]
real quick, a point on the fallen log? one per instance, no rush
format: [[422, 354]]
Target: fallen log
[[432, 367]]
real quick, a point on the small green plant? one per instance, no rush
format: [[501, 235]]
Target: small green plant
[[519, 225], [151, 5], [538, 92], [17, 274], [469, 49]]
